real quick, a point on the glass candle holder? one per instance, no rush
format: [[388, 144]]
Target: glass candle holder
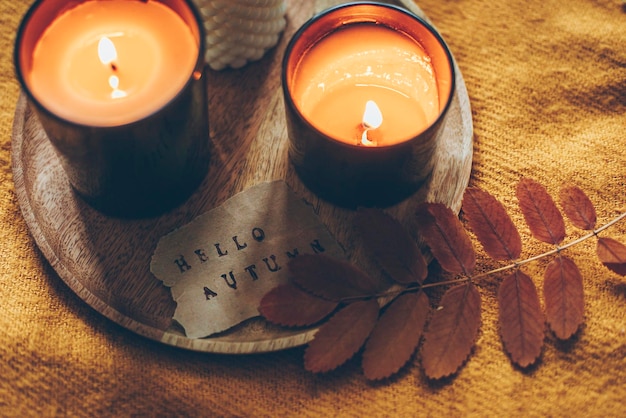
[[120, 91], [367, 87]]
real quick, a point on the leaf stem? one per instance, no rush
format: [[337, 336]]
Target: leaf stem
[[516, 264], [553, 251], [446, 282]]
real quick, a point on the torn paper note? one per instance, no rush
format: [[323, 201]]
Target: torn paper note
[[222, 263]]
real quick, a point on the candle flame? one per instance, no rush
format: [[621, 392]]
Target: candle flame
[[106, 51], [108, 55], [372, 119]]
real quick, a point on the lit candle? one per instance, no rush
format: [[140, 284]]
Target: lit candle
[[366, 89], [99, 64], [362, 63], [118, 88]]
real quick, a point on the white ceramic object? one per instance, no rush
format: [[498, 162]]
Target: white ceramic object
[[240, 31]]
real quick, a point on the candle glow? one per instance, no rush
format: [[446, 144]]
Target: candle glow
[[109, 63], [367, 63]]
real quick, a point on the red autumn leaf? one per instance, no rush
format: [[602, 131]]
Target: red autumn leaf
[[612, 254], [492, 225], [395, 336], [578, 208], [289, 306], [446, 237], [540, 212], [452, 331], [564, 297], [392, 246], [521, 319], [338, 339], [331, 278]]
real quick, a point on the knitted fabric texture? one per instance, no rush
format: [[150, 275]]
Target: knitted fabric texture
[[547, 84]]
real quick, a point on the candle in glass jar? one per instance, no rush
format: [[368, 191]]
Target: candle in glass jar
[[367, 87], [118, 88], [363, 70], [110, 63]]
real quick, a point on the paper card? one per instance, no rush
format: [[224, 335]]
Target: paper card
[[222, 263]]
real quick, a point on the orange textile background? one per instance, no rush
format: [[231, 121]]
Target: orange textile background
[[547, 85]]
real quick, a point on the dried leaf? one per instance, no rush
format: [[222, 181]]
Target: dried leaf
[[338, 339], [564, 297], [331, 278], [392, 246], [452, 331], [446, 237], [612, 254], [492, 225], [395, 336], [521, 319], [578, 208], [290, 306], [540, 212]]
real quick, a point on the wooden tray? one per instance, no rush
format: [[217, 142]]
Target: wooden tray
[[106, 261]]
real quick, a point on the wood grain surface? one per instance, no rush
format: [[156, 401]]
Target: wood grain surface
[[105, 261]]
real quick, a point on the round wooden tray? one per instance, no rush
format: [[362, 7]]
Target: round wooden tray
[[106, 261]]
